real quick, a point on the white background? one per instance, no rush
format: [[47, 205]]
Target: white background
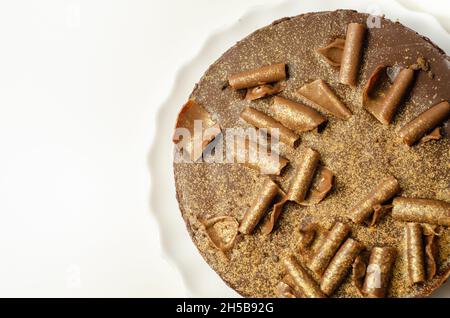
[[80, 83]]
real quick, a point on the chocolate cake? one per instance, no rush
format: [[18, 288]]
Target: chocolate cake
[[355, 202]]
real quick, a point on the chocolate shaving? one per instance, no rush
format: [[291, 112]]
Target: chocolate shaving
[[303, 176], [321, 185], [269, 222], [384, 190], [378, 273], [332, 53], [302, 279], [320, 260], [431, 234], [359, 272], [421, 211], [322, 97], [434, 135], [295, 116], [415, 253], [257, 77], [286, 288], [259, 207], [307, 235], [351, 57], [261, 120], [425, 122], [224, 237], [264, 90], [193, 118], [378, 212], [382, 99], [340, 266], [252, 156]]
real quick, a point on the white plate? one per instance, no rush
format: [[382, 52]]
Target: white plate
[[199, 278]]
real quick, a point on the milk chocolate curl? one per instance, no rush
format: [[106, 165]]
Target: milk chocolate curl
[[431, 233], [425, 122], [383, 102], [384, 191], [259, 207], [260, 76], [261, 120], [285, 290], [251, 155], [200, 126], [378, 273], [321, 96], [303, 176], [320, 260], [359, 272], [221, 231], [351, 57], [340, 266], [415, 253], [434, 135], [268, 224], [320, 186], [332, 53], [295, 116], [421, 211], [264, 90], [302, 279]]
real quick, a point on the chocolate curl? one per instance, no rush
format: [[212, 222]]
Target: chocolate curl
[[264, 90], [302, 279], [339, 266], [418, 127], [320, 260], [321, 96], [431, 234], [421, 211], [268, 224], [261, 120], [332, 53], [415, 253], [260, 205], [351, 57], [189, 114], [224, 237], [268, 163], [295, 116], [286, 288], [378, 272], [383, 102], [378, 211], [260, 76], [434, 135], [321, 185], [307, 235], [303, 176], [385, 190]]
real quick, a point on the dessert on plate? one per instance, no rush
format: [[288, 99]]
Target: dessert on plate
[[349, 192]]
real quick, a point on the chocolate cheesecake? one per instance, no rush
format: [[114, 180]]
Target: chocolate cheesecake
[[355, 201]]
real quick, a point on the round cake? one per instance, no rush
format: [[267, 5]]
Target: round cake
[[357, 202]]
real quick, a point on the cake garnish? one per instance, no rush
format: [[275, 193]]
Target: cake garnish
[[271, 219], [283, 290], [340, 266], [260, 82], [358, 274], [261, 120], [378, 212], [303, 176], [264, 161], [319, 94], [381, 98], [322, 184], [197, 128], [221, 231], [328, 248], [425, 122], [351, 56], [261, 204], [308, 233], [302, 279], [421, 210], [435, 134], [378, 272], [431, 234], [332, 53], [295, 116], [265, 90], [386, 189], [415, 253]]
